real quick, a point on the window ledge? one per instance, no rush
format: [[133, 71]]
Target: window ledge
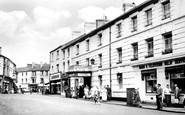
[[167, 51], [134, 30], [149, 55], [148, 25], [118, 36], [133, 59], [119, 62], [100, 44], [100, 66]]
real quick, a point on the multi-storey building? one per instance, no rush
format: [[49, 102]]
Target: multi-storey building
[[141, 48], [34, 76], [8, 76]]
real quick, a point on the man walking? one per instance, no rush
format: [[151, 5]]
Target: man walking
[[159, 97]]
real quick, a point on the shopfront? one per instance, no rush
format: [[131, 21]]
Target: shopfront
[[79, 76], [165, 72], [55, 83]]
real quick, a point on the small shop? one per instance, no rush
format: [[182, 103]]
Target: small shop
[[55, 83], [79, 76], [164, 72], [33, 87]]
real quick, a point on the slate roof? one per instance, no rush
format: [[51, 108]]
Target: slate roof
[[37, 67]]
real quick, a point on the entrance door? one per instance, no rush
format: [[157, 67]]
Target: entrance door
[[87, 81]]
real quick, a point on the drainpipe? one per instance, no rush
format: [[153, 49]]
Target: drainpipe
[[110, 65]]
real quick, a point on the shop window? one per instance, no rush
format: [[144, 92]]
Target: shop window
[[135, 51], [118, 30], [150, 78], [119, 51], [149, 17], [150, 47], [166, 9], [177, 76], [167, 43], [134, 23], [120, 80]]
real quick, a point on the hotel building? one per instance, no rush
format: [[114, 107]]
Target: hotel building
[[139, 49]]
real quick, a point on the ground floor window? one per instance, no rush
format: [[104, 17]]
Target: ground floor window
[[177, 76], [150, 78], [120, 80]]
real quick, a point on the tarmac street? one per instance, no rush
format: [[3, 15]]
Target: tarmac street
[[37, 104]]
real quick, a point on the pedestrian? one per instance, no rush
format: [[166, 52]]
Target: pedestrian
[[108, 93], [86, 92], [159, 97], [96, 95], [177, 94], [136, 98], [104, 93], [167, 96]]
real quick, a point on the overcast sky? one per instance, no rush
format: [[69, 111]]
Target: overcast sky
[[30, 29]]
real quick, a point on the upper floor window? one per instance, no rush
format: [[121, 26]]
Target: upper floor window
[[134, 23], [100, 39], [150, 47], [77, 62], [118, 29], [41, 73], [57, 54], [149, 17], [167, 43], [52, 57], [87, 61], [87, 45], [57, 67], [119, 51], [166, 9], [68, 63], [68, 52], [135, 51], [100, 60], [63, 66], [63, 53], [46, 73], [52, 68], [33, 73], [41, 80], [77, 49], [26, 80]]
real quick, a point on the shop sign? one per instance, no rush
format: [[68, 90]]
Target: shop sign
[[79, 74], [151, 65], [54, 77], [180, 60], [79, 68]]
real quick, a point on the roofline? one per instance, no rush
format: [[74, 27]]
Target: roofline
[[110, 23], [8, 59], [56, 48]]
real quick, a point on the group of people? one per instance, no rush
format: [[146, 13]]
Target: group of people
[[162, 96], [94, 93]]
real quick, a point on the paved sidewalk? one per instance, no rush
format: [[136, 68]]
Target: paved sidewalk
[[149, 106], [144, 106]]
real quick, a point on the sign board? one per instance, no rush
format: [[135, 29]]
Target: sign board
[[55, 76], [76, 68], [1, 65]]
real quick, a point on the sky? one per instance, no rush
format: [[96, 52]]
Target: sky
[[30, 29]]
